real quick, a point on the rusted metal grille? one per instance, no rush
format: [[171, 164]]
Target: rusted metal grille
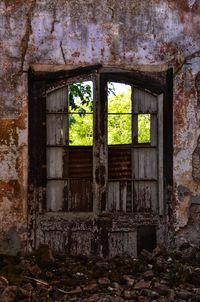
[[78, 162], [119, 162]]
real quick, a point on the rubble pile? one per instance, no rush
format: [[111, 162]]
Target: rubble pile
[[152, 277]]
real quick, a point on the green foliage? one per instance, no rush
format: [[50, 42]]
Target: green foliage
[[80, 97], [119, 125], [81, 129], [81, 123], [119, 116], [144, 135]]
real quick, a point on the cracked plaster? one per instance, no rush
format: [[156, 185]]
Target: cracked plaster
[[127, 33]]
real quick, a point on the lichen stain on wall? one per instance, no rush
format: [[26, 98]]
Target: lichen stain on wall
[[126, 33]]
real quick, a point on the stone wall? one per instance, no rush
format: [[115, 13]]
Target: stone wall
[[134, 34]]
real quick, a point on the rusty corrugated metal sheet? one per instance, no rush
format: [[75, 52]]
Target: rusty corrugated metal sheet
[[78, 162], [119, 162]]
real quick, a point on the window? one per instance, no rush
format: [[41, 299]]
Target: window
[[102, 147], [69, 147], [96, 159]]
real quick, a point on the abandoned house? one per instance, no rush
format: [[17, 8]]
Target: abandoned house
[[99, 125]]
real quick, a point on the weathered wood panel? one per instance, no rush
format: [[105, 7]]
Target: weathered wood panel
[[80, 195], [125, 196], [160, 155], [56, 129], [57, 100], [113, 199], [144, 102], [57, 240], [145, 196], [122, 243], [145, 163], [54, 162], [154, 130], [81, 242], [119, 196], [55, 195]]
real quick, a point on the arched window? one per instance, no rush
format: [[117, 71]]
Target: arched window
[[100, 144]]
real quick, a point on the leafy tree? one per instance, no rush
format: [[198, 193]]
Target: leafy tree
[[144, 121], [80, 97], [81, 117], [119, 125]]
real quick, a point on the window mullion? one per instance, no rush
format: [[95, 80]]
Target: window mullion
[[100, 144]]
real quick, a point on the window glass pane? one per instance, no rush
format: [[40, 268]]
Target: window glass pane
[[144, 128], [119, 98], [81, 97], [80, 129], [119, 129]]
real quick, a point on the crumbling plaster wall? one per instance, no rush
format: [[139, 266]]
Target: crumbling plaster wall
[[133, 34]]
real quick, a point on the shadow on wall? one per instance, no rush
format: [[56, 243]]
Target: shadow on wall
[[11, 243]]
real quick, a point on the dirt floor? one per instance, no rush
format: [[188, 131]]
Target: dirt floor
[[156, 276]]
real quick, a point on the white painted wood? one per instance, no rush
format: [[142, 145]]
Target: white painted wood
[[57, 100], [144, 102], [54, 162], [55, 195], [145, 163], [56, 129], [160, 155]]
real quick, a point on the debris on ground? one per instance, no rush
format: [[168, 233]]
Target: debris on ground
[[152, 277]]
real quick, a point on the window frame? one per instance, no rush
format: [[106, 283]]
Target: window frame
[[39, 82]]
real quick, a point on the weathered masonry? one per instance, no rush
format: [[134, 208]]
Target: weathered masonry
[[104, 194]]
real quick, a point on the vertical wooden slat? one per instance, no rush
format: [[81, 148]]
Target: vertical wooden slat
[[144, 102], [54, 162], [80, 195], [100, 170], [130, 197], [55, 195], [145, 163], [122, 243], [57, 100], [145, 196], [56, 135], [56, 129], [113, 199], [160, 154], [123, 195], [154, 130]]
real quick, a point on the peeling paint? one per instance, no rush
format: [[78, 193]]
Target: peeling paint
[[127, 34]]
